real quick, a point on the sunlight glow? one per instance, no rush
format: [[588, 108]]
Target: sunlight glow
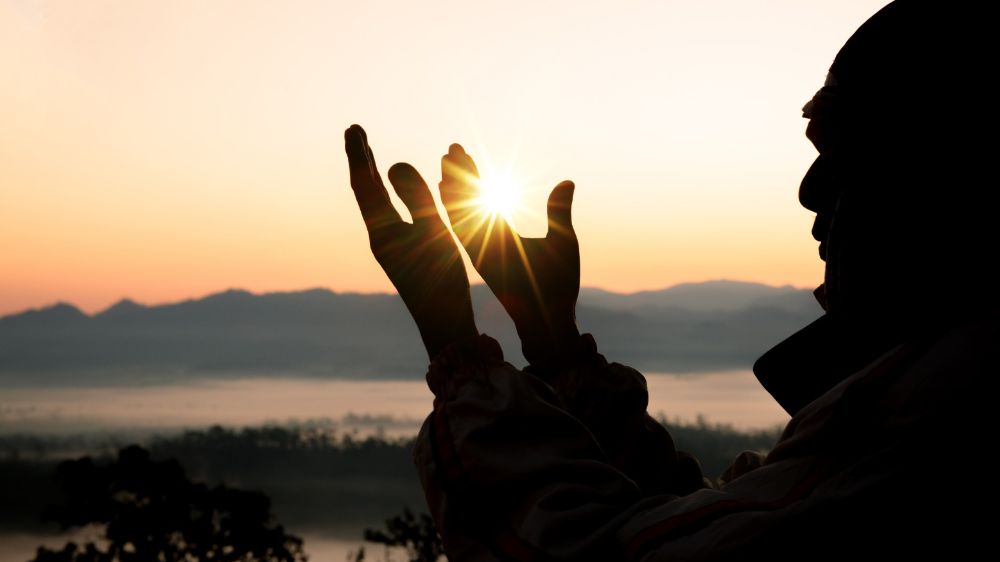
[[187, 101], [499, 195]]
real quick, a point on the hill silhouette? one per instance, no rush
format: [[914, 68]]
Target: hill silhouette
[[692, 327]]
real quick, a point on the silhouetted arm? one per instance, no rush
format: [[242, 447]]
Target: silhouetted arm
[[421, 259]]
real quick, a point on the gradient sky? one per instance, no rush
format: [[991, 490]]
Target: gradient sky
[[165, 150]]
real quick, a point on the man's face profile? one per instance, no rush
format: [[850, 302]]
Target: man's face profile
[[820, 189]]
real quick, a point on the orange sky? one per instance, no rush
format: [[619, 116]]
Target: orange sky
[[164, 150]]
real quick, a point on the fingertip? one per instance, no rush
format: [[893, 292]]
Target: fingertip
[[562, 193], [456, 149], [402, 171], [560, 208], [354, 144]]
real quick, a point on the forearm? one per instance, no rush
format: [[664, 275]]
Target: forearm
[[552, 344], [442, 324]]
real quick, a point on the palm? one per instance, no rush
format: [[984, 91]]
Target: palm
[[536, 279], [421, 259]]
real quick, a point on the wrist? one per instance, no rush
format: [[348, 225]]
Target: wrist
[[556, 348], [439, 335]]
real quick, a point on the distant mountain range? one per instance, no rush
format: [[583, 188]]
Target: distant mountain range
[[691, 327]]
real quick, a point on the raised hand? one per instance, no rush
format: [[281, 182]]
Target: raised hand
[[421, 259], [536, 279]]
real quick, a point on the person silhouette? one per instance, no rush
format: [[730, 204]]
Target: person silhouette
[[561, 461]]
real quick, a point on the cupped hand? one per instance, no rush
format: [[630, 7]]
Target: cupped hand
[[421, 259], [537, 280]]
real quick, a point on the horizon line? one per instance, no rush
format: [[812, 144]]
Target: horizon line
[[123, 299]]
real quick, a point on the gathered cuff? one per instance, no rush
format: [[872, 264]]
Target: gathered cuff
[[462, 358]]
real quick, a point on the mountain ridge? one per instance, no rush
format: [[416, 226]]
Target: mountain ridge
[[318, 332], [129, 303]]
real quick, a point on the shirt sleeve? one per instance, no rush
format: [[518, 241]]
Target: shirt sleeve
[[515, 467], [511, 473]]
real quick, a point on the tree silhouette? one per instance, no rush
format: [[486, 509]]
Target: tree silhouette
[[416, 533], [152, 512]]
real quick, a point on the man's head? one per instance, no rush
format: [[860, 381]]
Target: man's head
[[899, 190], [898, 186]]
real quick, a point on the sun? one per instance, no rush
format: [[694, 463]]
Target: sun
[[498, 195]]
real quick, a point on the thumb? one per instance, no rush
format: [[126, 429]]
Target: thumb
[[560, 209], [414, 192]]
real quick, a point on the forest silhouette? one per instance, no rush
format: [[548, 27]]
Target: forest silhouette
[[318, 479]]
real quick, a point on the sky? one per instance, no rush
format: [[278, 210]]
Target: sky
[[166, 150]]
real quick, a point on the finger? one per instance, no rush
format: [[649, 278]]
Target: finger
[[461, 168], [560, 208], [373, 199], [413, 190], [373, 165], [470, 164], [459, 188]]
